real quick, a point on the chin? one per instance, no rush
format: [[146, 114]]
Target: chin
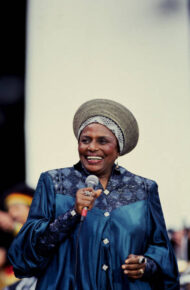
[[93, 169]]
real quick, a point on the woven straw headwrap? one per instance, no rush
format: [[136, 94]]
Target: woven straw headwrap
[[123, 119]]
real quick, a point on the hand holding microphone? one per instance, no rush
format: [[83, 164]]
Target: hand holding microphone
[[86, 197]]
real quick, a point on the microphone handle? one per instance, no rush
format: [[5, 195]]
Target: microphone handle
[[89, 183], [85, 209], [84, 213]]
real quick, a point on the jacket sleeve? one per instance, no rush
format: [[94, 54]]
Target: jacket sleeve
[[26, 251], [159, 248]]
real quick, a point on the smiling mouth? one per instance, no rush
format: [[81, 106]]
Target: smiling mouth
[[94, 158]]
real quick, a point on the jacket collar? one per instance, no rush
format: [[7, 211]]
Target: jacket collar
[[78, 166]]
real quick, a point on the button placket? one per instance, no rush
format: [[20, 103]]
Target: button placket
[[106, 241], [73, 212], [105, 267], [106, 191]]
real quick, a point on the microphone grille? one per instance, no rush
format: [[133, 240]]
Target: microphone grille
[[92, 180]]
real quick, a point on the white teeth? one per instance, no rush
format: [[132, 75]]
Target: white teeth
[[94, 158]]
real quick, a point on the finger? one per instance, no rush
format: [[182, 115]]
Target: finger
[[82, 202], [133, 260], [98, 192], [133, 266], [83, 191], [132, 256], [93, 194], [86, 198], [85, 202], [88, 191], [135, 274], [85, 195]]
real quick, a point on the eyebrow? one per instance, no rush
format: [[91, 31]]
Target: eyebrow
[[87, 136]]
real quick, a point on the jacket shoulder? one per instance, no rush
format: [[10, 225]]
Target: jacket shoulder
[[64, 179], [66, 171], [138, 178]]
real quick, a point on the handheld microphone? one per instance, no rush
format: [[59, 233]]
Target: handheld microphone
[[91, 181]]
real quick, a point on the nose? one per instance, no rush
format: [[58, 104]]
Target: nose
[[92, 146]]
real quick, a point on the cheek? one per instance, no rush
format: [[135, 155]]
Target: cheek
[[112, 151], [81, 148]]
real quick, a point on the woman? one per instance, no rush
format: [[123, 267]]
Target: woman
[[122, 243]]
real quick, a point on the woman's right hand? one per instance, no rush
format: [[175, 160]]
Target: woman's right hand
[[84, 200]]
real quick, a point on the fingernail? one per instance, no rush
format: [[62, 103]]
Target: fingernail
[[126, 272], [126, 261]]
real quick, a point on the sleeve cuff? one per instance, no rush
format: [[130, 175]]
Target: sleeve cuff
[[151, 268], [57, 231]]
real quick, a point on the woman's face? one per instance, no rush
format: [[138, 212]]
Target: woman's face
[[98, 149]]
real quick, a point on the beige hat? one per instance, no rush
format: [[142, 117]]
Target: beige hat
[[118, 113]]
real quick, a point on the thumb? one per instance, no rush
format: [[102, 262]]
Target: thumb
[[98, 192]]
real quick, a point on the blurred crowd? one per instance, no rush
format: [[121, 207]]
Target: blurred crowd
[[15, 208], [16, 203], [180, 240]]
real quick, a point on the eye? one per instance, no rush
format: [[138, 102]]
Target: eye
[[103, 140], [85, 140]]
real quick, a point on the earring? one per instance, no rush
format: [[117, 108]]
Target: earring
[[117, 165]]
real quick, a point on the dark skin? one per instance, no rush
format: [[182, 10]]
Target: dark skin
[[86, 201], [98, 150], [132, 268]]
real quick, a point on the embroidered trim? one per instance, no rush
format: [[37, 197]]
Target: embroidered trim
[[124, 188]]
